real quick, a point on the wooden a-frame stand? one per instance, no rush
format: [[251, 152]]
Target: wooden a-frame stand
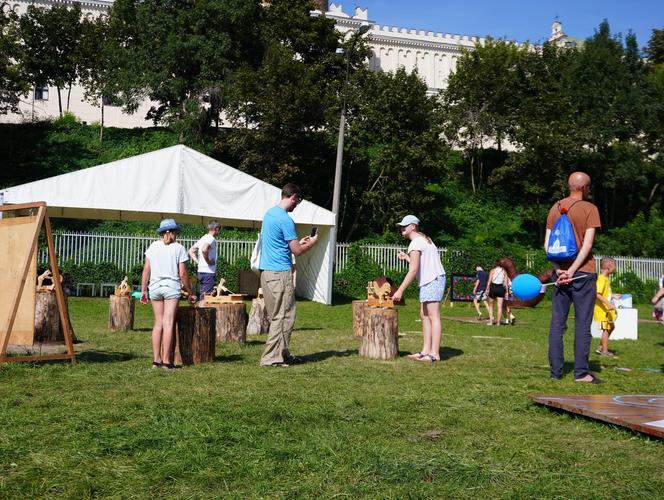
[[23, 268]]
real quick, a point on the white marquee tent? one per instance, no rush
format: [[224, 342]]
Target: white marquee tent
[[190, 187]]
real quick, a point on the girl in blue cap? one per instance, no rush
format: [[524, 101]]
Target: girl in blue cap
[[424, 263], [167, 274]]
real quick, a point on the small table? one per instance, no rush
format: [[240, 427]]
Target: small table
[[79, 285], [104, 286]]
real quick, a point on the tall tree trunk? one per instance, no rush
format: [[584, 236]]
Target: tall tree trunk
[[59, 101], [472, 170], [101, 130], [68, 96]]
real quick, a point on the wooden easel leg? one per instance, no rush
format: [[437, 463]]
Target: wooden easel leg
[[59, 293]]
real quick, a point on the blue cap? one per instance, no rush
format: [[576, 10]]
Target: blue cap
[[409, 219], [168, 225]]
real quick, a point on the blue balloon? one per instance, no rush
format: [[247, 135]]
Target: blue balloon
[[526, 286]]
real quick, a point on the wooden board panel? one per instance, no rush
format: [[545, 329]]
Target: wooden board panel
[[640, 412], [16, 236]]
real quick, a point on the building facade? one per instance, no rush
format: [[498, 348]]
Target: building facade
[[433, 55]]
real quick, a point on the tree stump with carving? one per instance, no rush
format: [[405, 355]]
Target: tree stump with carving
[[259, 321], [358, 318], [120, 313], [47, 318], [380, 339], [231, 322], [195, 330]]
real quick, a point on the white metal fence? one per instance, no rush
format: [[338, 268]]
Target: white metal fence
[[128, 251]]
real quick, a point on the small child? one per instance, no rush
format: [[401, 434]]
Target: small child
[[605, 312]]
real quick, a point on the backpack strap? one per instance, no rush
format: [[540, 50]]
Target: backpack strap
[[560, 208]]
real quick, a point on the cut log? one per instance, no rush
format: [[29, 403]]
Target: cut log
[[380, 339], [358, 318], [259, 321], [120, 313], [47, 318], [231, 323], [194, 336]]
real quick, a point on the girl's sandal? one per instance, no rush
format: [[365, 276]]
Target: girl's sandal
[[156, 364], [416, 355], [428, 358]]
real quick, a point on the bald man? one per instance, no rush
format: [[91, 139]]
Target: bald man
[[585, 220]]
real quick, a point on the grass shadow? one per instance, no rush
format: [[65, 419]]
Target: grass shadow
[[568, 367], [321, 356], [254, 342], [449, 352], [305, 329], [228, 359], [141, 330], [93, 356]]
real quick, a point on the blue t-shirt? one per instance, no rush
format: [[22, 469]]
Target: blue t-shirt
[[278, 230]]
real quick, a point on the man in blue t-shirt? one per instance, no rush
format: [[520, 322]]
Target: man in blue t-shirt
[[279, 240]]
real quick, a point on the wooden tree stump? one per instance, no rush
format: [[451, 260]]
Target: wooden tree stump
[[231, 323], [259, 321], [47, 318], [380, 339], [120, 313], [194, 336], [358, 318]]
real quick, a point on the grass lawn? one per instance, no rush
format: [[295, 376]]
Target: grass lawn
[[337, 425]]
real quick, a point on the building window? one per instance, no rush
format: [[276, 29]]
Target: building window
[[41, 93]]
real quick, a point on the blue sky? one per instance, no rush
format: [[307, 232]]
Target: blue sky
[[516, 20]]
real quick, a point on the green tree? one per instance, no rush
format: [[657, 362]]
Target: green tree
[[95, 57], [478, 100], [282, 108], [394, 152], [178, 53], [12, 84], [655, 48], [49, 40]]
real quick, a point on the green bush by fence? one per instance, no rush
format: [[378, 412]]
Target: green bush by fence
[[351, 282]]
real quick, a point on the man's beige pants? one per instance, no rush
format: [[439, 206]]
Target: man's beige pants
[[280, 304]]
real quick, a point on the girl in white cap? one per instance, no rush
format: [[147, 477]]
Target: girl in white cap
[[424, 262], [167, 274]]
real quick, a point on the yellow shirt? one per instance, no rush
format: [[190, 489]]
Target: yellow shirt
[[601, 312]]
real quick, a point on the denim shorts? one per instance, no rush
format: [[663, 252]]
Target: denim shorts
[[166, 290], [434, 290]]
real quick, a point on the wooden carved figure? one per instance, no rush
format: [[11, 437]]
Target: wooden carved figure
[[123, 287]]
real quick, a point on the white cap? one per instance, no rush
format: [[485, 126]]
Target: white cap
[[409, 219]]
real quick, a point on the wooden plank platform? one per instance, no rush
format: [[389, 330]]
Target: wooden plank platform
[[639, 412]]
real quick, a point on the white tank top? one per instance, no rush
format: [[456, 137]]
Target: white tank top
[[498, 276]]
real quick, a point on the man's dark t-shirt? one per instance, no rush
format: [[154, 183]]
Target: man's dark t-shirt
[[483, 277]]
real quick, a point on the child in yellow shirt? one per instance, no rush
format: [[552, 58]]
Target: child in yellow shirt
[[605, 312]]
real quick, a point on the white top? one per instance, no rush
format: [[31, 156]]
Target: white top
[[498, 276], [164, 262], [430, 265], [203, 266]]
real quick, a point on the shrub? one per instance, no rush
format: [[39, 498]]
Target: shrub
[[351, 282], [630, 283]]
